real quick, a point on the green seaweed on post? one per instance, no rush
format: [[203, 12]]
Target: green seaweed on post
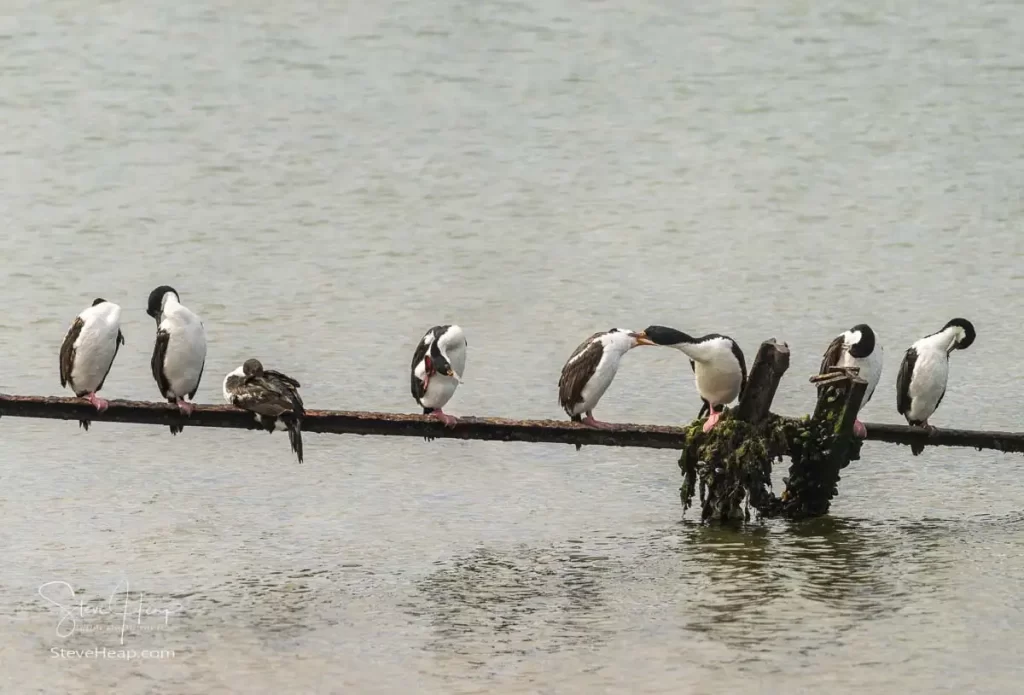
[[731, 465], [819, 447]]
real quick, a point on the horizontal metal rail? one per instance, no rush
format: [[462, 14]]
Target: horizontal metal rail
[[490, 429]]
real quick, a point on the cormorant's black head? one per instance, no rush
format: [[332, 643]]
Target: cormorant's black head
[[437, 362], [965, 336], [865, 344], [661, 335], [252, 367], [98, 300], [156, 300]]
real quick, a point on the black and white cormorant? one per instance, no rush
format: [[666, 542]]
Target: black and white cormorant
[[857, 347], [717, 363], [88, 352], [179, 353], [271, 396], [589, 372], [438, 365], [924, 372]]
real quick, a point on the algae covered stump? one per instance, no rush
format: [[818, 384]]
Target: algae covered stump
[[731, 465]]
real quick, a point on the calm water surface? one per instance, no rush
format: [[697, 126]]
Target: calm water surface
[[322, 185]]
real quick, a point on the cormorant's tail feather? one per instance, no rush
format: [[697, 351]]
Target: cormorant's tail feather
[[175, 428], [915, 447], [84, 424], [295, 436], [577, 418], [428, 411]]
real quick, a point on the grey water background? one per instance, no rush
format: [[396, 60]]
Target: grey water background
[[324, 183]]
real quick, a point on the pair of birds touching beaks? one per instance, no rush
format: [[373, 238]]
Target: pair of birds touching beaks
[[179, 356], [720, 371]]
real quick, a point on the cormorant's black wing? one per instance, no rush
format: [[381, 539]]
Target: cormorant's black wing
[[906, 373], [67, 351], [577, 371]]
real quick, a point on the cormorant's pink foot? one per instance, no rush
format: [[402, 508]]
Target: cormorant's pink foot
[[713, 419], [185, 407], [448, 420], [859, 430], [589, 421], [99, 403]]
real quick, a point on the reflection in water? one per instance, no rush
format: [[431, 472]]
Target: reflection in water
[[849, 565], [807, 583], [270, 605], [841, 571], [515, 602], [741, 576], [279, 603]]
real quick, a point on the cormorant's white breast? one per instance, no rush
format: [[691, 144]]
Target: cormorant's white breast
[[179, 352], [719, 368], [924, 373], [589, 372], [438, 366], [88, 352]]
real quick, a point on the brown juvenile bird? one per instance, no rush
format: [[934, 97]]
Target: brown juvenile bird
[[271, 396]]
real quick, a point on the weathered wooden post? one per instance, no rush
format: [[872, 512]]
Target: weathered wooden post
[[732, 463], [822, 446]]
